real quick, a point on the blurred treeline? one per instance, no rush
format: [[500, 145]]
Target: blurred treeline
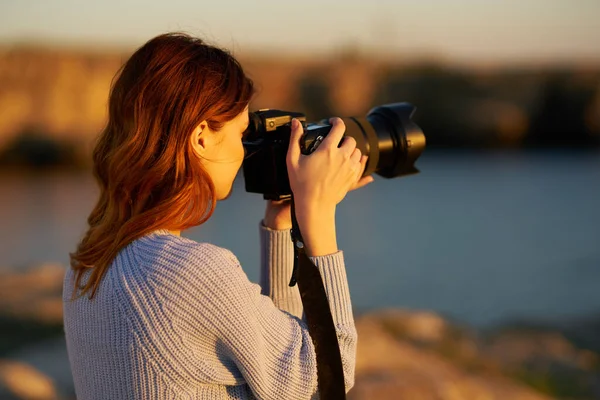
[[53, 101], [458, 108]]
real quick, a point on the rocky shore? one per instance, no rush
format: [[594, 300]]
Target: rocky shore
[[402, 354]]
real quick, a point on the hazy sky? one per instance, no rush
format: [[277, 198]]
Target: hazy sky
[[460, 30]]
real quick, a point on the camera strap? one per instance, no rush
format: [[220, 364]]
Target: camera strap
[[330, 373]]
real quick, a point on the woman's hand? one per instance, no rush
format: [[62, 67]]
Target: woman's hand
[[323, 178], [278, 214]]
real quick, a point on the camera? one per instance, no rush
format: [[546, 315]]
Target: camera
[[387, 135]]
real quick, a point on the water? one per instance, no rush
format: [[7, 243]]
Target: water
[[480, 237]]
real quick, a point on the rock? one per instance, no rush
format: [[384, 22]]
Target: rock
[[33, 293], [21, 381], [50, 359], [546, 359], [391, 367], [30, 305], [420, 326], [518, 348]]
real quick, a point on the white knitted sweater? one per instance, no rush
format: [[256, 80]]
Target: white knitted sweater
[[177, 319]]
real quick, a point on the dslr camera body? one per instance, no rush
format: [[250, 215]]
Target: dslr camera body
[[387, 135]]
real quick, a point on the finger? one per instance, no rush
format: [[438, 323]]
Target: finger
[[294, 152], [355, 165], [360, 166], [362, 182], [356, 157], [349, 147], [335, 135], [363, 164]]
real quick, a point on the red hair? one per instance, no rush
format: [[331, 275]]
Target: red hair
[[144, 163]]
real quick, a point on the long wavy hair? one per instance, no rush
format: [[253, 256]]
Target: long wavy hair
[[148, 173]]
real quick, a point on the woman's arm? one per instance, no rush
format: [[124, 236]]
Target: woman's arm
[[272, 349], [277, 257], [276, 265]]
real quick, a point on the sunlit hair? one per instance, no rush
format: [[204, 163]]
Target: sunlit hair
[[148, 173]]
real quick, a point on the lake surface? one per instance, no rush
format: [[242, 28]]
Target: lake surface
[[482, 237]]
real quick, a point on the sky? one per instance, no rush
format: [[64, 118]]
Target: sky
[[457, 30]]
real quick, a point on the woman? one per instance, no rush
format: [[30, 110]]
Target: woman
[[152, 315]]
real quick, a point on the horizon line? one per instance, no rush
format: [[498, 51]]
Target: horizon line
[[354, 51]]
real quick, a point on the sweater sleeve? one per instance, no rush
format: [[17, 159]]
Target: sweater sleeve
[[273, 349], [276, 265]]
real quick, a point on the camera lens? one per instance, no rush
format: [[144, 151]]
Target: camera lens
[[390, 138]]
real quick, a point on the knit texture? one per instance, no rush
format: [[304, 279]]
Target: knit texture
[[177, 319]]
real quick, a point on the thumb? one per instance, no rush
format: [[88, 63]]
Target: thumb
[[294, 149]]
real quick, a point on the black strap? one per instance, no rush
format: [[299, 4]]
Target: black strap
[[330, 373]]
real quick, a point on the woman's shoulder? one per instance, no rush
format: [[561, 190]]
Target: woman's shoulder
[[162, 277], [182, 255]]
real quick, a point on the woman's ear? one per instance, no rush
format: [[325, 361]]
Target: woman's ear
[[200, 138]]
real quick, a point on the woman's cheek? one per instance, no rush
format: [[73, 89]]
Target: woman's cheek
[[241, 153]]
